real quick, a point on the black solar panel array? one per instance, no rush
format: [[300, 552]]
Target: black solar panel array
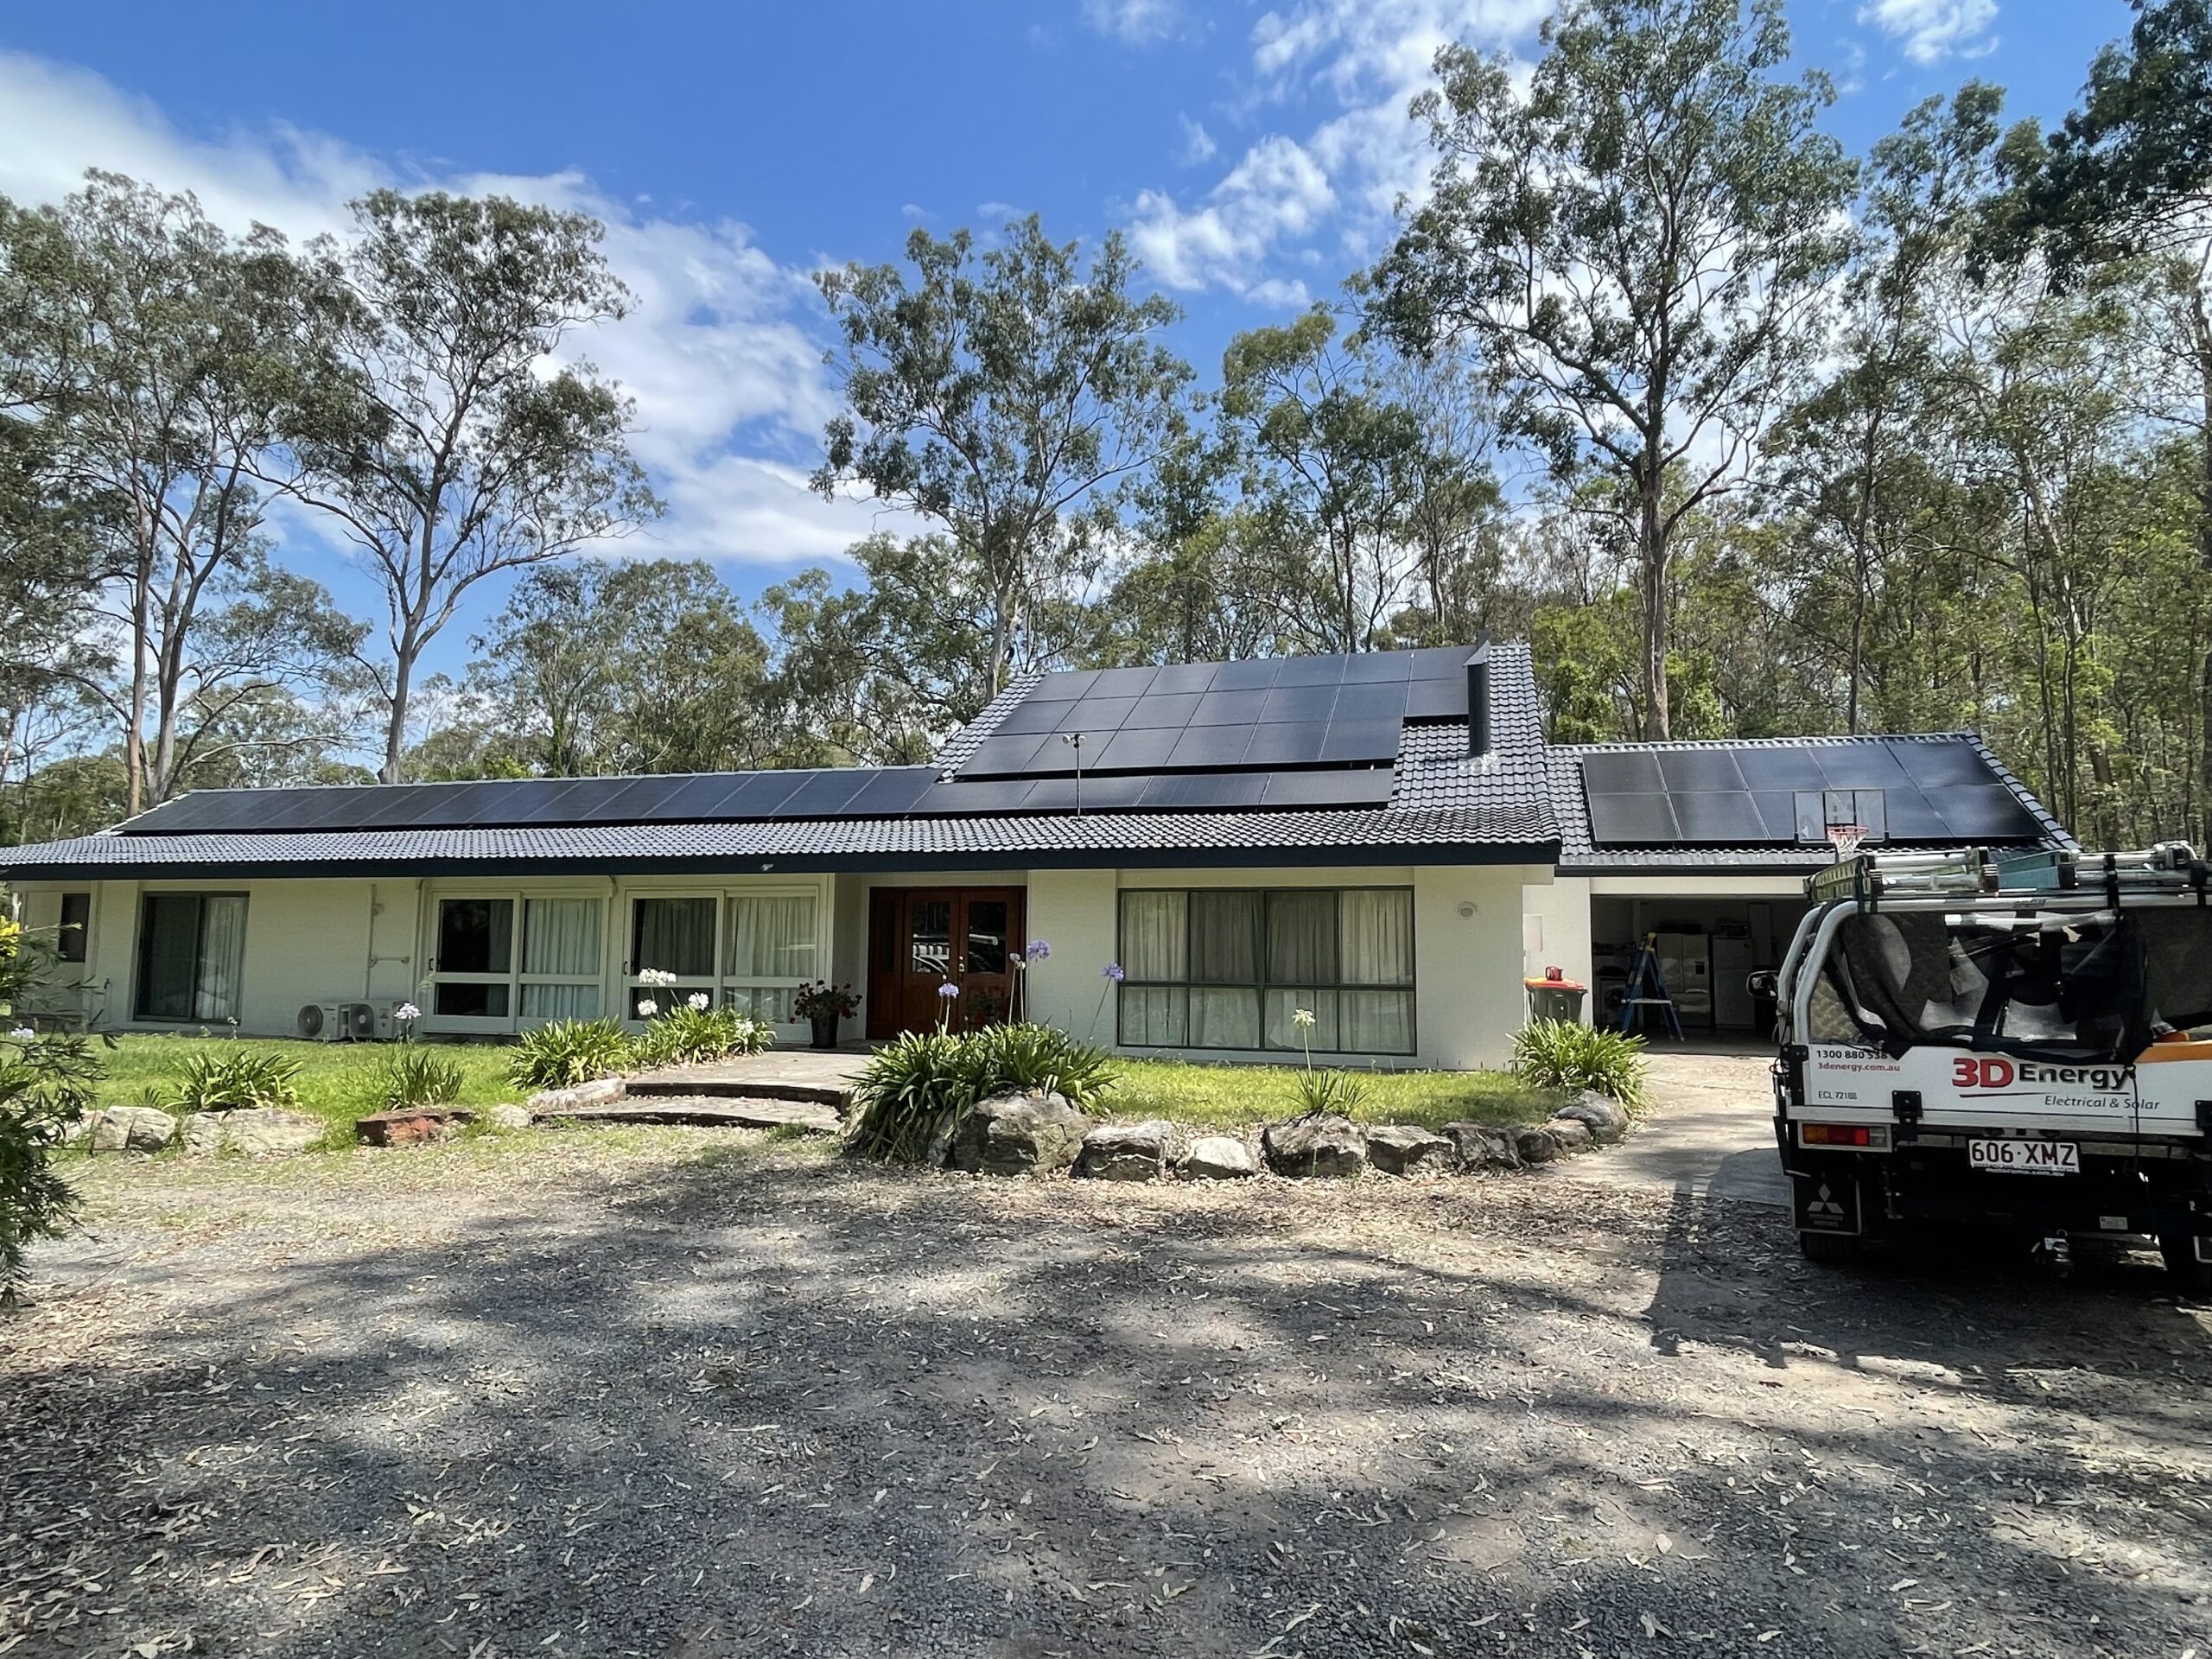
[[1258, 715], [1932, 792]]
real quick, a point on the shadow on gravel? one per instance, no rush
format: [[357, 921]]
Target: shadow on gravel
[[769, 1407]]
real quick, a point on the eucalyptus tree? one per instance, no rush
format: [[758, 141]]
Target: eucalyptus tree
[[1000, 396], [156, 359], [457, 441], [1637, 245]]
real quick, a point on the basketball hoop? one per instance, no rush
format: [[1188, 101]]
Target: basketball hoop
[[1846, 839]]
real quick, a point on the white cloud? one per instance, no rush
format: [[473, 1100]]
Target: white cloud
[[1929, 31], [1198, 146], [1363, 60], [1136, 22], [720, 351]]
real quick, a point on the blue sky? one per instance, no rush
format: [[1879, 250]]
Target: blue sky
[[1251, 151]]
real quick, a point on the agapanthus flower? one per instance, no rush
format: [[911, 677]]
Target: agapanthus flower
[[698, 1001], [407, 1013], [1301, 1016], [948, 990], [24, 1034], [1113, 971], [655, 976], [647, 1007], [1038, 949]]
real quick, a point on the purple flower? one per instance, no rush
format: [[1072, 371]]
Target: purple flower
[[1113, 971], [1038, 949], [949, 991]]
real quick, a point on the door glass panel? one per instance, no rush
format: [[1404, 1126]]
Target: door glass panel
[[674, 936], [222, 957], [772, 937], [561, 938], [986, 936], [468, 999], [475, 936], [930, 930], [167, 956]]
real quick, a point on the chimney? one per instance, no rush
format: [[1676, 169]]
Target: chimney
[[1478, 702]]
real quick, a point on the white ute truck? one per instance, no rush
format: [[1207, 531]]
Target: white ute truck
[[2019, 1044]]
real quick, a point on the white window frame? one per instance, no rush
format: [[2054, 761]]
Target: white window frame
[[723, 985]]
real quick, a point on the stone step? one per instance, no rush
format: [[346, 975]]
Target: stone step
[[706, 1083], [720, 1111]]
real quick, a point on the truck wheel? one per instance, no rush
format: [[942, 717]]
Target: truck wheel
[[2191, 1277], [1836, 1250]]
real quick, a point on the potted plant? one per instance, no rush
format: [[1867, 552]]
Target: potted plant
[[821, 1004]]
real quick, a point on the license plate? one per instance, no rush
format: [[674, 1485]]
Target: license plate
[[2025, 1157]]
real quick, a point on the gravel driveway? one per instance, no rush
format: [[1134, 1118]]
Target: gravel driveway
[[679, 1392]]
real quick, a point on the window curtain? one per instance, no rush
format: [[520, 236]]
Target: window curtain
[[542, 1001], [1378, 937], [1302, 939], [1224, 940], [674, 935], [772, 937], [222, 957], [1284, 1032], [1376, 1022], [560, 938], [1224, 1018], [1152, 1016], [1154, 936]]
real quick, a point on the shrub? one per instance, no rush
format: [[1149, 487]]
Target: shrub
[[1567, 1055], [914, 1088], [46, 1084], [565, 1053], [236, 1080], [414, 1076], [685, 1036], [1340, 1092]]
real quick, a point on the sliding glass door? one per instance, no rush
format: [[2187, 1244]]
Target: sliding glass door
[[191, 957], [749, 950], [472, 964]]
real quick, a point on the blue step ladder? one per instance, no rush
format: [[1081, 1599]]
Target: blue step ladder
[[1647, 988]]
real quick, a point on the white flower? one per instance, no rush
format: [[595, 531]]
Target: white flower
[[407, 1013], [655, 976], [647, 1007], [24, 1034], [698, 1001], [1301, 1017]]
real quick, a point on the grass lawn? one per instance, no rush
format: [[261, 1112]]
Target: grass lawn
[[1232, 1096], [335, 1080]]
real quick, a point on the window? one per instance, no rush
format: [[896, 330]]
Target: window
[[560, 958], [191, 957], [74, 938], [767, 949], [1228, 967], [474, 963]]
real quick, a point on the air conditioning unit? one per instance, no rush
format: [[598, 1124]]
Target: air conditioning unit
[[320, 1022], [360, 1020]]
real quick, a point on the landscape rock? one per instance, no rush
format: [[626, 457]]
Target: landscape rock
[[1484, 1147], [1124, 1152], [1018, 1134], [201, 1133], [1219, 1158], [1570, 1135], [1605, 1117], [269, 1129], [598, 1091], [1536, 1145], [409, 1126], [553, 1100], [1408, 1150], [132, 1128], [1327, 1145], [508, 1115]]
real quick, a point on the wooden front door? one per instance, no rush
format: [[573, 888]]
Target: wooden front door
[[923, 938]]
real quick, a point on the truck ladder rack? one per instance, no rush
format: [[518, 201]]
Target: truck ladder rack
[[1866, 880]]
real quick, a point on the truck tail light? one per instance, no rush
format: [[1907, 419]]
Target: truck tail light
[[1834, 1134]]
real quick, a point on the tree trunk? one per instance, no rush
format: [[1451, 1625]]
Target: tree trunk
[[395, 732], [2201, 340], [1651, 537]]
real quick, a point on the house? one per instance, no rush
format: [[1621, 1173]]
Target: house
[[1384, 839]]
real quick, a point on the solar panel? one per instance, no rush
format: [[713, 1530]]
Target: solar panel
[[1633, 820], [1860, 765], [1618, 772], [1911, 817], [1285, 745], [1986, 813], [1096, 795], [1170, 710], [1231, 708], [1122, 682], [1004, 757], [1719, 817], [1441, 663], [1382, 666], [1312, 670], [1305, 702], [1183, 676], [1254, 674], [821, 794], [1199, 792], [1783, 765], [1034, 717], [1065, 686], [1371, 700], [1203, 748], [1949, 762], [892, 792], [1361, 740], [1139, 751], [1099, 714], [1436, 699], [1682, 770]]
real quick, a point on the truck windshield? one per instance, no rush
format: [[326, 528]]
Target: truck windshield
[[2072, 985]]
